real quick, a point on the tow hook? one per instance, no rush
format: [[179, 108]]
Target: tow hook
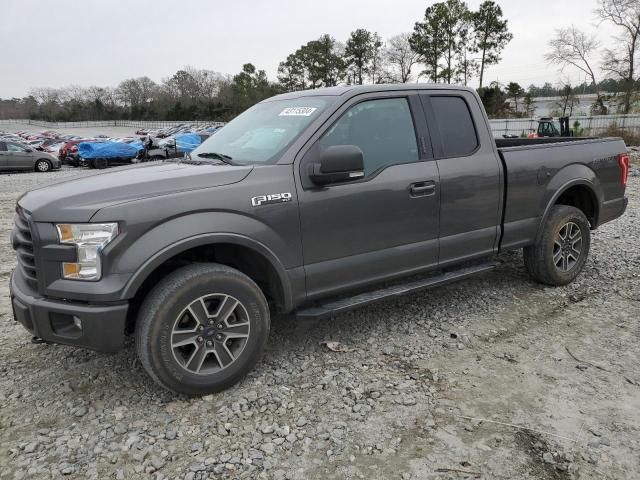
[[37, 340]]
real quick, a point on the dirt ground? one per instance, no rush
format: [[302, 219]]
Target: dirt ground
[[496, 377]]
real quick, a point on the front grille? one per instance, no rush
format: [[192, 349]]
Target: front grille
[[23, 244]]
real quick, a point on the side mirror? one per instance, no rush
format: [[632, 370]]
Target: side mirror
[[339, 163], [28, 150]]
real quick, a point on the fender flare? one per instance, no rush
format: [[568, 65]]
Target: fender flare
[[141, 274], [566, 186]]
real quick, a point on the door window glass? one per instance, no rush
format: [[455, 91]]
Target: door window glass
[[383, 129], [12, 147]]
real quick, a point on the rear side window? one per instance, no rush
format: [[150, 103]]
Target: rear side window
[[453, 118], [3, 147]]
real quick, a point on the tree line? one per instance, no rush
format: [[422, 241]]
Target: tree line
[[611, 73], [189, 94], [574, 48], [450, 44], [512, 100]]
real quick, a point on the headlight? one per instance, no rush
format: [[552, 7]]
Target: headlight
[[89, 239]]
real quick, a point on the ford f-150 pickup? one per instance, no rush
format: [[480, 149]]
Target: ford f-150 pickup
[[310, 203]]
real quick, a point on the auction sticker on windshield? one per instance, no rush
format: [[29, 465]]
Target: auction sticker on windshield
[[297, 112]]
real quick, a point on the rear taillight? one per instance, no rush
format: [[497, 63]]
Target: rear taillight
[[623, 161]]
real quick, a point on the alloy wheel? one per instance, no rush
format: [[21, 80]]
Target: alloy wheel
[[567, 247], [210, 334]]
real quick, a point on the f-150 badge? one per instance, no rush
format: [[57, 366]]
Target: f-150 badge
[[271, 198]]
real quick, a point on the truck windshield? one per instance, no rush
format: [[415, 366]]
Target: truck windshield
[[259, 134]]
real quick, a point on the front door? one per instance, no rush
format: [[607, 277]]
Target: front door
[[382, 225], [18, 158]]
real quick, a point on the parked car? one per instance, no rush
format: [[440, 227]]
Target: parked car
[[54, 149], [312, 203], [68, 153], [14, 156]]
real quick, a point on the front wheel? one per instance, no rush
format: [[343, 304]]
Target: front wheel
[[202, 329], [43, 166], [100, 163], [562, 247]]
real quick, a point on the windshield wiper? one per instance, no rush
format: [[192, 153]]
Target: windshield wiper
[[216, 156], [187, 158]]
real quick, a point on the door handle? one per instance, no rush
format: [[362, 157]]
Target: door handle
[[422, 189]]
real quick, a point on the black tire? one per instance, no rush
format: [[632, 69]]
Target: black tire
[[552, 259], [42, 165], [167, 305], [101, 163]]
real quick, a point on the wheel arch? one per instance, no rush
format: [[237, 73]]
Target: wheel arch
[[237, 251], [582, 193]]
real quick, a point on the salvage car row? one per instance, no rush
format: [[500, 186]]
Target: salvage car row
[[48, 150]]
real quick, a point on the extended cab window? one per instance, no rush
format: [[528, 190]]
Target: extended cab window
[[383, 129], [457, 131], [3, 147]]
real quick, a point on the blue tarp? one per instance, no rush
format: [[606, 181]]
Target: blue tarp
[[137, 144], [106, 150], [187, 142]]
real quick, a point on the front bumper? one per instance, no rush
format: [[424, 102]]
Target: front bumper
[[94, 326]]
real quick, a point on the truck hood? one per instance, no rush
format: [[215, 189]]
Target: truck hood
[[77, 200]]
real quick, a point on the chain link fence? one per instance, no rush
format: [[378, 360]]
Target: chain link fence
[[582, 126], [111, 123], [602, 125]]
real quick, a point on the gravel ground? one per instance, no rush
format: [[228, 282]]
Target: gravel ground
[[496, 378]]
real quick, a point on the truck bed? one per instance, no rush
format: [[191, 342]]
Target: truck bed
[[536, 169]]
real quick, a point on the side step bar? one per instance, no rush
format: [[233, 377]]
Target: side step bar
[[335, 306]]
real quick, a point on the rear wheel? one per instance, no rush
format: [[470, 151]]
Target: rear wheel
[[562, 247], [43, 165], [202, 328]]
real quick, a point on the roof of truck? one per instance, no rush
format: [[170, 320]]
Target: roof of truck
[[360, 89]]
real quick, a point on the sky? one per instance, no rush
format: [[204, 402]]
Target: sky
[[56, 43]]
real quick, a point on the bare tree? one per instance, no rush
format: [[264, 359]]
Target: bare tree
[[48, 100], [571, 47], [621, 62], [568, 100], [45, 95], [378, 59], [401, 58]]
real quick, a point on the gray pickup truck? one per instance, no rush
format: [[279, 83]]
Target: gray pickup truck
[[310, 203]]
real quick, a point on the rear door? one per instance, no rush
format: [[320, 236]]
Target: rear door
[[470, 175], [384, 224]]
